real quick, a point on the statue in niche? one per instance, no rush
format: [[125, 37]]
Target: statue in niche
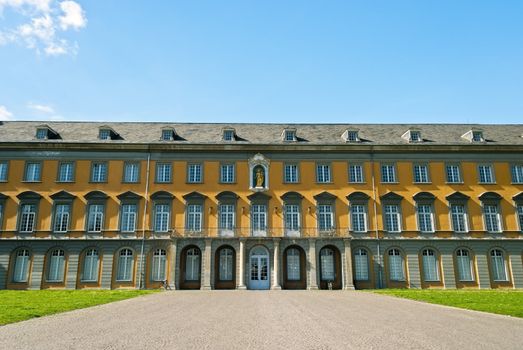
[[259, 177]]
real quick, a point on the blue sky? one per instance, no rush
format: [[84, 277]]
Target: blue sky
[[264, 61]]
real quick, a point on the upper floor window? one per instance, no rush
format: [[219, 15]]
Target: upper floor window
[[358, 215], [421, 173], [131, 172], [292, 218], [388, 173], [61, 217], [356, 173], [227, 173], [258, 218], [453, 173], [415, 136], [323, 173], [425, 218], [520, 216], [392, 218], [163, 172], [27, 218], [162, 214], [325, 217], [486, 174], [194, 217], [33, 171], [226, 217], [291, 173], [516, 170], [492, 218], [3, 170], [459, 218], [95, 217], [66, 172], [99, 172], [194, 173], [128, 218]]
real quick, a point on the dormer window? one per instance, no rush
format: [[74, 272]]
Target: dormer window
[[106, 133], [289, 135], [351, 136], [41, 134], [412, 136], [477, 136], [474, 135], [229, 135], [168, 134], [44, 132]]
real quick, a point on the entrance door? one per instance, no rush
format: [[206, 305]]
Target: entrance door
[[190, 268], [294, 268], [259, 269]]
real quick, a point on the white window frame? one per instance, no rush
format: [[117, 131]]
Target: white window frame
[[226, 266], [95, 217], [226, 217], [194, 173], [359, 215], [259, 219], [33, 172], [163, 172], [124, 272], [21, 266], [325, 214], [388, 173], [492, 217], [323, 173], [159, 264], [66, 172], [453, 173], [162, 217], [486, 174], [99, 172], [62, 215], [498, 265], [27, 222], [91, 265], [421, 173], [4, 170], [128, 214], [424, 217], [194, 217], [389, 213], [292, 218], [396, 273], [361, 264], [227, 173], [356, 173], [131, 172], [291, 173], [293, 264], [516, 171], [56, 267], [455, 214], [464, 265]]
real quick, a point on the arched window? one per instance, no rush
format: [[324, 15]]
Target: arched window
[[125, 265], [192, 265], [21, 268], [327, 264], [430, 265], [499, 269], [226, 264], [361, 265], [396, 271], [56, 266], [159, 264], [90, 269], [464, 265], [293, 264]]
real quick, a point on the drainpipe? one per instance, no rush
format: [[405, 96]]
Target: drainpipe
[[146, 197], [376, 223]]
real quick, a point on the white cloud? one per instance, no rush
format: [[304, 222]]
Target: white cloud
[[44, 21], [41, 108], [4, 113], [74, 16]]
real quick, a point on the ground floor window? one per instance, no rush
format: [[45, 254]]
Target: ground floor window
[[90, 268], [293, 264], [430, 265], [21, 268], [226, 264], [464, 265], [56, 266], [499, 269], [361, 265], [125, 265], [396, 271], [192, 265], [327, 264], [159, 264]]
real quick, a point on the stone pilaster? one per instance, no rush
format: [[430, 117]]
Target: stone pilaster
[[347, 276], [207, 265], [172, 269], [276, 282], [313, 279], [241, 265]]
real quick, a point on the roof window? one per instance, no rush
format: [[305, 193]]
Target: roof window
[[412, 135], [106, 133], [289, 135], [229, 135], [44, 132], [474, 135], [350, 136]]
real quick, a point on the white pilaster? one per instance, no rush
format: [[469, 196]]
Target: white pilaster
[[241, 274], [276, 282]]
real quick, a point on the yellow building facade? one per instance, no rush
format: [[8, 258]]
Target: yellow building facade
[[260, 206]]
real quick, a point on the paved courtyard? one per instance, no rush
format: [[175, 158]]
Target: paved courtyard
[[266, 320]]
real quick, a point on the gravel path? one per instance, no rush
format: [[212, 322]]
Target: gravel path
[[266, 320]]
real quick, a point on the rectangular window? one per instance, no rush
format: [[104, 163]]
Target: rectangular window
[[41, 134], [128, 221], [361, 265], [355, 173], [459, 218], [194, 173], [492, 219], [290, 135], [227, 173], [95, 218], [325, 218], [292, 217], [167, 135], [3, 171], [56, 266], [430, 266], [499, 269], [61, 217], [162, 212], [104, 134], [130, 172], [99, 172], [228, 135], [421, 173], [520, 217], [425, 218], [194, 217], [453, 173], [226, 217], [27, 218], [33, 171], [485, 174], [388, 173], [291, 173], [516, 170], [392, 218], [323, 173], [163, 172], [464, 265], [358, 218], [259, 218], [65, 172], [396, 272]]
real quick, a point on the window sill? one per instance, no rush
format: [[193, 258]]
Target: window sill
[[227, 183], [64, 182], [31, 181], [130, 182], [455, 183], [423, 183], [357, 182], [291, 182], [163, 182], [98, 182], [487, 183], [390, 183]]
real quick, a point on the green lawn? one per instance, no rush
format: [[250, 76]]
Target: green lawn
[[504, 302], [21, 305]]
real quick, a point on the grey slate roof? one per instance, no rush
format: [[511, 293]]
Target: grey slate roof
[[251, 133]]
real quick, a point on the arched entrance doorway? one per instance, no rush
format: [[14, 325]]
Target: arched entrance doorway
[[294, 268], [330, 267], [225, 268], [259, 277], [190, 267]]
